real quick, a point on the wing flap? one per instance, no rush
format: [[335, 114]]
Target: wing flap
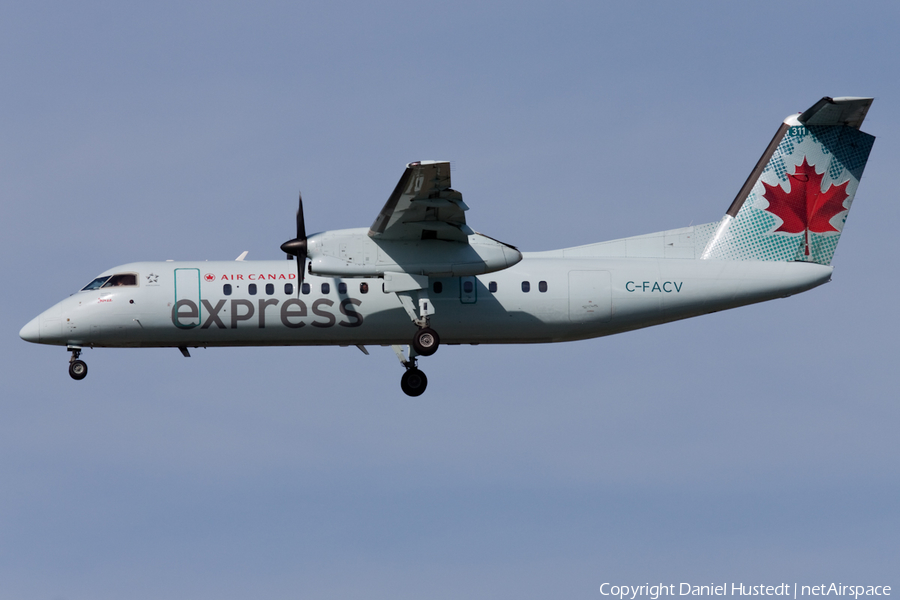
[[423, 206]]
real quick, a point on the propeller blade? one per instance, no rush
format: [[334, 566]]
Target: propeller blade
[[297, 246], [301, 223]]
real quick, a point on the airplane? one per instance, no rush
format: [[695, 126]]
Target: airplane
[[420, 276]]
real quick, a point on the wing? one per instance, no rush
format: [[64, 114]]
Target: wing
[[423, 207]]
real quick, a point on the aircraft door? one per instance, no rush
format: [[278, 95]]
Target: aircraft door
[[186, 311], [590, 296], [468, 290]]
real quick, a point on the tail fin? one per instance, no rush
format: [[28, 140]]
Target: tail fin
[[794, 204]]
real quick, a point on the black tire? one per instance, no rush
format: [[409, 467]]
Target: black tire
[[413, 382], [78, 370], [426, 341]]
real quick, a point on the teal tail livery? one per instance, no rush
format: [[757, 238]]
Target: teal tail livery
[[794, 204], [420, 276]]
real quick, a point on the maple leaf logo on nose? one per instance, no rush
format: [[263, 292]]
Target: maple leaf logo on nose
[[806, 207]]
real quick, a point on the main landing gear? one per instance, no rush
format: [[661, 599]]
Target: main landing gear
[[412, 292], [426, 341], [77, 368], [419, 308], [413, 382]]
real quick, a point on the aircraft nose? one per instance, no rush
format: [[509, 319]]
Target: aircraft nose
[[32, 331]]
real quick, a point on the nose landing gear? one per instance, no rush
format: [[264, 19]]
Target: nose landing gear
[[77, 368]]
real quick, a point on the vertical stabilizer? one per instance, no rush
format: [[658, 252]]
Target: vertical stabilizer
[[794, 204]]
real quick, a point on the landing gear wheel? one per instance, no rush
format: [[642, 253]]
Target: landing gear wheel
[[413, 382], [426, 341], [77, 370]]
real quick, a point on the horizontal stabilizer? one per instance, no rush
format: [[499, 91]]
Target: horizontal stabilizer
[[846, 111]]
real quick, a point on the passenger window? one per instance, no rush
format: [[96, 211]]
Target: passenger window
[[542, 286], [326, 288], [342, 288], [305, 289], [270, 288], [468, 286], [289, 289], [438, 287], [526, 286], [226, 289], [364, 288], [492, 287], [95, 284], [121, 280], [252, 289]]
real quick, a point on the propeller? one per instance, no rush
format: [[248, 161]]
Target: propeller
[[297, 246]]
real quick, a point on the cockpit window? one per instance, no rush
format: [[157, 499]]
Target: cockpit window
[[121, 280], [95, 284]]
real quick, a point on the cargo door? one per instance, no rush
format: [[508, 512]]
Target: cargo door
[[590, 296]]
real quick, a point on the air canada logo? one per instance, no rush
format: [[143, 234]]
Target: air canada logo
[[209, 277], [806, 207]]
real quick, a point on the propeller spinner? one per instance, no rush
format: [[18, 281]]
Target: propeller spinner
[[297, 246]]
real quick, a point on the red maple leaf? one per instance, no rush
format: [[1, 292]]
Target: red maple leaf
[[806, 207]]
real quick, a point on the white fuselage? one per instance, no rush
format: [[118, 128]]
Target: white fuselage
[[187, 304]]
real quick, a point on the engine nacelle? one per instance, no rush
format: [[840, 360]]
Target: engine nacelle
[[352, 253]]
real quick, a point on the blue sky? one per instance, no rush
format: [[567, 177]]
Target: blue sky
[[752, 445]]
